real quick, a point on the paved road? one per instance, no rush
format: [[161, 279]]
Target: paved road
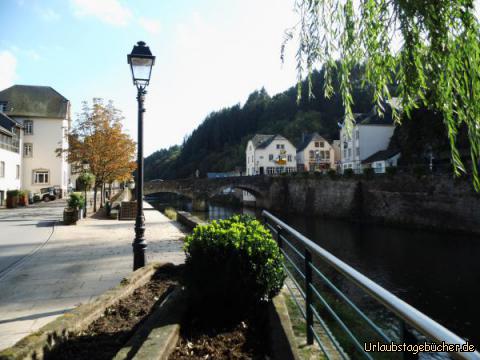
[[23, 231], [77, 264]]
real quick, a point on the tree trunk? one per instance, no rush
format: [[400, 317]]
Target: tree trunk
[[95, 198], [102, 194]]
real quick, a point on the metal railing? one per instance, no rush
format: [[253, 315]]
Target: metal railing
[[309, 278]]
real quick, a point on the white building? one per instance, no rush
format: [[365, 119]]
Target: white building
[[45, 116], [369, 135], [381, 160], [270, 154], [314, 153], [10, 157]]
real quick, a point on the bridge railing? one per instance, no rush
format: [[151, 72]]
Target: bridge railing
[[328, 294]]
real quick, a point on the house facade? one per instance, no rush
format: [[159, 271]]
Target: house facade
[[369, 135], [270, 154], [45, 117], [10, 156], [381, 160], [314, 153]]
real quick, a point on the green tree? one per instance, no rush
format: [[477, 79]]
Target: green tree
[[436, 64]]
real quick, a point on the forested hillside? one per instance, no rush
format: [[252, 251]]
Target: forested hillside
[[218, 144]]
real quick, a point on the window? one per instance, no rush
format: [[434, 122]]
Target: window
[[280, 146], [27, 150], [40, 176], [327, 155], [322, 155], [357, 134], [270, 157], [28, 127], [349, 153], [358, 151], [344, 153], [289, 157], [270, 170], [317, 144], [2, 169], [17, 176], [261, 156], [312, 154], [3, 106], [322, 144]]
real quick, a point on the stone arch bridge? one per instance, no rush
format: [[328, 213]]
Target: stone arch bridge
[[200, 190]]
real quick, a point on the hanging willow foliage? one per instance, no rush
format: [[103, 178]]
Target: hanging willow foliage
[[430, 49]]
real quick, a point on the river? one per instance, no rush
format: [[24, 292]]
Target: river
[[436, 272]]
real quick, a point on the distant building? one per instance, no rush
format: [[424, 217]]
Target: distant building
[[10, 157], [370, 134], [314, 153], [382, 160], [45, 117], [270, 154]]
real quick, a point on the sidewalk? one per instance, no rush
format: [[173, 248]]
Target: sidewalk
[[77, 264]]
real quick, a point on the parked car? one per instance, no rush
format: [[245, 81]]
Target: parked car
[[48, 193]]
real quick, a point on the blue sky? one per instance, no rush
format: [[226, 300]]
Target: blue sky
[[210, 54]]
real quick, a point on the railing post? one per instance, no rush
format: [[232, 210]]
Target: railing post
[[278, 238], [407, 337], [308, 296]]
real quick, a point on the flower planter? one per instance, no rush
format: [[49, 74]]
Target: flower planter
[[12, 201], [23, 200], [70, 216]]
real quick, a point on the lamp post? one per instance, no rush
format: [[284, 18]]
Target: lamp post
[[141, 62], [85, 168]]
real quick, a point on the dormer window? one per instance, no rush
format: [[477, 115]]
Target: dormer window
[[3, 106]]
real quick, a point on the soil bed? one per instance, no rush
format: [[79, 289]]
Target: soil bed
[[106, 336], [247, 339]]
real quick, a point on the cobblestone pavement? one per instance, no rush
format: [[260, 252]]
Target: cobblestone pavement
[[74, 266]]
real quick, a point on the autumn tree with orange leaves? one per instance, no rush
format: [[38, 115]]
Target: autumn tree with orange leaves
[[97, 138]]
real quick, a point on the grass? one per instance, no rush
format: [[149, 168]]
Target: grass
[[171, 213], [306, 352]]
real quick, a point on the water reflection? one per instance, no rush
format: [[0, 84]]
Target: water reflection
[[438, 273]]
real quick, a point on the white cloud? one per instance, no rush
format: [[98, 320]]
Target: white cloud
[[214, 60], [48, 14], [109, 11], [8, 65], [150, 25]]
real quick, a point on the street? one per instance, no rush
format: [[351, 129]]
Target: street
[[24, 231], [48, 268]]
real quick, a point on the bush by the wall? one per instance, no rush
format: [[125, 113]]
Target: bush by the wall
[[76, 200], [348, 173], [391, 170], [368, 173], [231, 266], [332, 173]]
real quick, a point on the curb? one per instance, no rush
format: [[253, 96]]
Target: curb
[[157, 337], [36, 345], [282, 339], [190, 221]]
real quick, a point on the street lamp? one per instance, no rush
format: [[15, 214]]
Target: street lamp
[[141, 62]]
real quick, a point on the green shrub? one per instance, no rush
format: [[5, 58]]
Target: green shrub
[[76, 200], [332, 173], [391, 170], [231, 267], [171, 213], [13, 192], [348, 173], [369, 173], [419, 170]]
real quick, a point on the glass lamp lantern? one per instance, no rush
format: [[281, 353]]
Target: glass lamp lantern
[[141, 62]]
